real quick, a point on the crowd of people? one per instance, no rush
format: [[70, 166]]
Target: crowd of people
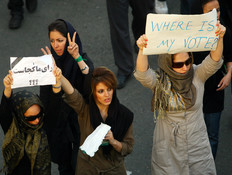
[[188, 99]]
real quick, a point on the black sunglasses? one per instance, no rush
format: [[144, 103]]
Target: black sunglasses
[[32, 118], [181, 64]]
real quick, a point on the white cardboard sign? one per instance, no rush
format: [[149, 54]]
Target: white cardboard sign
[[180, 33], [32, 71]]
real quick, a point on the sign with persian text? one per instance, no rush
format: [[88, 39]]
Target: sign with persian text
[[32, 71]]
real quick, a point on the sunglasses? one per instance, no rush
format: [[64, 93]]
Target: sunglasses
[[181, 64], [32, 118]]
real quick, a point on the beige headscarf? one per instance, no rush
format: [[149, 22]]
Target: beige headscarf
[[173, 91]]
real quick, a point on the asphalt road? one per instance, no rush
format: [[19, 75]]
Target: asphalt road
[[89, 17]]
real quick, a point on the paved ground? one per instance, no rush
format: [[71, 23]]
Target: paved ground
[[89, 17]]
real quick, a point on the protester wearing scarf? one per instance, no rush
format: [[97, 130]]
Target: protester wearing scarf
[[173, 91], [68, 65], [23, 137], [119, 118], [63, 132]]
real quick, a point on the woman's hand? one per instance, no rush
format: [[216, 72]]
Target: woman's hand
[[110, 137], [142, 42], [217, 54], [8, 81], [225, 81], [48, 52], [116, 144], [73, 48], [58, 74], [221, 30]]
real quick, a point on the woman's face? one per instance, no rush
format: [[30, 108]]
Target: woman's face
[[103, 94], [210, 6], [34, 110], [58, 42], [181, 62]]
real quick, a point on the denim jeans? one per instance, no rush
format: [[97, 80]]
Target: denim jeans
[[212, 121]]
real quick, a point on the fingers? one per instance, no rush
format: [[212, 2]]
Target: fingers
[[74, 37], [48, 50], [44, 52], [142, 42], [57, 72], [8, 80], [221, 30], [53, 62], [69, 39]]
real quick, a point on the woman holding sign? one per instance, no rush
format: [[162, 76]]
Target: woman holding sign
[[103, 107], [25, 146], [63, 134], [180, 144]]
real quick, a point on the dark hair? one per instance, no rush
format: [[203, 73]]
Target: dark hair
[[58, 25], [203, 2], [103, 75]]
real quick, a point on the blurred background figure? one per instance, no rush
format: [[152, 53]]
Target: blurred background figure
[[226, 12], [213, 101], [120, 36], [161, 7], [190, 7], [16, 11]]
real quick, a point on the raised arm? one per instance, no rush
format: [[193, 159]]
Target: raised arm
[[73, 50], [142, 60], [61, 82], [8, 81], [5, 109], [216, 55]]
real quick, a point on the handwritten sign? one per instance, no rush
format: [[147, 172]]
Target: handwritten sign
[[180, 33], [32, 71]]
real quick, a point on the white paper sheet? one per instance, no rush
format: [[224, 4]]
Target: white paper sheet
[[94, 140], [32, 71]]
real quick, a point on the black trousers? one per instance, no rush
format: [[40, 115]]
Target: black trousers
[[119, 29], [16, 6]]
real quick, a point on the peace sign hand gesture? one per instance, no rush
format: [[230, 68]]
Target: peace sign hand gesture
[[73, 48], [48, 52]]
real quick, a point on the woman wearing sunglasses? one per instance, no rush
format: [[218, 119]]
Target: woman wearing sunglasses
[[180, 143], [25, 146]]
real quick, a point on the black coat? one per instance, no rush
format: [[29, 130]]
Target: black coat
[[6, 118], [63, 130]]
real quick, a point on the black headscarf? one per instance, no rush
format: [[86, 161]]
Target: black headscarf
[[68, 65], [23, 137], [119, 118]]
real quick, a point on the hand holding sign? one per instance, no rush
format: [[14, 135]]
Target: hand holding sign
[[73, 48], [221, 30], [57, 73], [48, 52], [8, 81], [142, 42]]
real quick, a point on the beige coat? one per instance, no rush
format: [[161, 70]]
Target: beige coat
[[180, 142]]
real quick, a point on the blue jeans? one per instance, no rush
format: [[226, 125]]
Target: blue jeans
[[212, 121]]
